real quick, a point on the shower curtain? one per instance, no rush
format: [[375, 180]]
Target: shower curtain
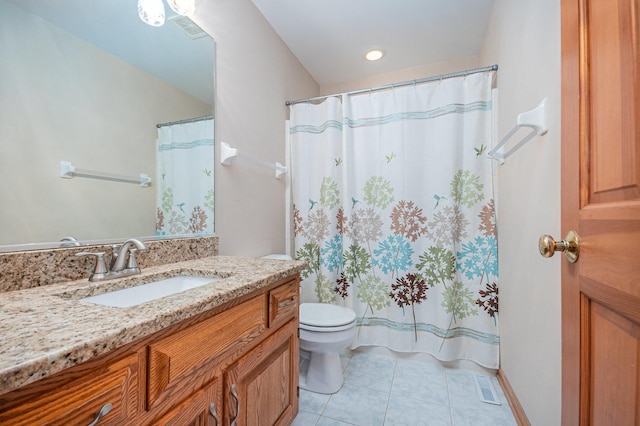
[[184, 193], [393, 209]]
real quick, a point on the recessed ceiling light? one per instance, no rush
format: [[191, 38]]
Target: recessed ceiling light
[[374, 55]]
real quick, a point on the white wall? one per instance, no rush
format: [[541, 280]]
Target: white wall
[[523, 38], [255, 74], [62, 98]]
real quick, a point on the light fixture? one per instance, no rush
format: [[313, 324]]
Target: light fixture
[[374, 55], [152, 11], [182, 7]]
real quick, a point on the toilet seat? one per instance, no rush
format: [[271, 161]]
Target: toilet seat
[[324, 317]]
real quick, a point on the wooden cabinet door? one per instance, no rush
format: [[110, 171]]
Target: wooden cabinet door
[[601, 201], [115, 385], [261, 388], [200, 409]]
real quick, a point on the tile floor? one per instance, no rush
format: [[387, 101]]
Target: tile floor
[[402, 392]]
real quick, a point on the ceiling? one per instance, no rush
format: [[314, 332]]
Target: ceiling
[[113, 25], [330, 37]]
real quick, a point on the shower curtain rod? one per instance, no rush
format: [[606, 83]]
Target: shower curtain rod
[[188, 120], [404, 83]]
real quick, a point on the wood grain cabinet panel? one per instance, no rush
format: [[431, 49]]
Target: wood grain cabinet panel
[[201, 409], [261, 388], [283, 303], [79, 402], [173, 358]]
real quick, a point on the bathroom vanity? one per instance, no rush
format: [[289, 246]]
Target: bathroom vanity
[[223, 353]]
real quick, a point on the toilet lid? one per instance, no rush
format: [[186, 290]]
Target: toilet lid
[[325, 315]]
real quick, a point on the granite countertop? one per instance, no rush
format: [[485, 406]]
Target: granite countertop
[[46, 329]]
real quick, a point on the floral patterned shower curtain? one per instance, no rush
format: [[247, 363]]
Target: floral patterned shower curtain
[[393, 209], [184, 169]]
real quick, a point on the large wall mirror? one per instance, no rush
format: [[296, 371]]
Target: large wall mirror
[[86, 81]]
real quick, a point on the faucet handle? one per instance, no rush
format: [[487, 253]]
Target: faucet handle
[[114, 255], [132, 264], [100, 269]]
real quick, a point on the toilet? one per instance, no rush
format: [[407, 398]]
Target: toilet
[[325, 331]]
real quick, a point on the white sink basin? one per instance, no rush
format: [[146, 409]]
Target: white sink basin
[[147, 292]]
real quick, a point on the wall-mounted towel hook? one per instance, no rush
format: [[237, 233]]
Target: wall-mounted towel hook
[[536, 119], [227, 154]]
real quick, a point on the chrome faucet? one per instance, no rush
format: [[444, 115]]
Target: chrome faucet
[[123, 261], [69, 242], [118, 264]]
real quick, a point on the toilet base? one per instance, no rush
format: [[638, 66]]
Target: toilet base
[[321, 372]]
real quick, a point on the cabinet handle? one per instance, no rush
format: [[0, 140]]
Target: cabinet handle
[[287, 303], [234, 394], [212, 410], [103, 412]]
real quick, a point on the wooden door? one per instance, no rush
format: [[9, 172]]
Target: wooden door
[[601, 201]]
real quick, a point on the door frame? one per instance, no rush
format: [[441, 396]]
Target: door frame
[[572, 107]]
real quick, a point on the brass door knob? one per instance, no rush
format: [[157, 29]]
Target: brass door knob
[[570, 246]]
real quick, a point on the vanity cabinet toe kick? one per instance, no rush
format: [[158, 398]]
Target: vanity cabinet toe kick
[[235, 365]]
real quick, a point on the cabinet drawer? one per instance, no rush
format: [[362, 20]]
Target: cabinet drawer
[[174, 357], [283, 303], [80, 401]]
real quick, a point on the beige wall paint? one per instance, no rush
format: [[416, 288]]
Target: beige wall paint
[[255, 74], [523, 37], [62, 98], [406, 74]]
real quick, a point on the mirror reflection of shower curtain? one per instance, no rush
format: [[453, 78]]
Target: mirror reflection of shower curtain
[[184, 169]]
